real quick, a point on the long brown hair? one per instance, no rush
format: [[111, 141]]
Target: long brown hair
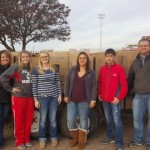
[[88, 61], [20, 64], [8, 54]]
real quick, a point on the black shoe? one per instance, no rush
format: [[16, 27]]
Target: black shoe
[[1, 147], [108, 141], [134, 144]]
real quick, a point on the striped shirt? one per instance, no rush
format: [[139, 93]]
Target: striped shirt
[[44, 85]]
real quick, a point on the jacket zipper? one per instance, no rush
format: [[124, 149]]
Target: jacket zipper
[[107, 81]]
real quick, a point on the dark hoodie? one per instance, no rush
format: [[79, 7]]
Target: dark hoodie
[[4, 95], [21, 80]]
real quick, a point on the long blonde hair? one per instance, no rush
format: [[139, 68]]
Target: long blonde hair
[[20, 64], [39, 67]]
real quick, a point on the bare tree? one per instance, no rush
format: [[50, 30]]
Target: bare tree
[[23, 21]]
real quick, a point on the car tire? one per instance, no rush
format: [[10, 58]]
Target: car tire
[[35, 125], [93, 123]]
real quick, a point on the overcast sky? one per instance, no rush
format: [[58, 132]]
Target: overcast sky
[[125, 22]]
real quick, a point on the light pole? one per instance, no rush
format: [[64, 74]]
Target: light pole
[[101, 16]]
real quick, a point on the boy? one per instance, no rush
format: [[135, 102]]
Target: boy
[[112, 88]]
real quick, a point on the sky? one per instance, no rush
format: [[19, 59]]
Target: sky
[[125, 22]]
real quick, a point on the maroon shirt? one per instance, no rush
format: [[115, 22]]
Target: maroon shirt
[[78, 93]]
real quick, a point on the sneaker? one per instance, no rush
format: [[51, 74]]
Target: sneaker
[[134, 144], [108, 141], [119, 147], [42, 144], [22, 146], [54, 142], [28, 144]]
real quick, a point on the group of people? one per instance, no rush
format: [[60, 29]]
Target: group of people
[[29, 87], [40, 87]]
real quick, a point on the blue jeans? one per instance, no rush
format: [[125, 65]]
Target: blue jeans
[[4, 109], [48, 109], [141, 105], [80, 110], [114, 121]]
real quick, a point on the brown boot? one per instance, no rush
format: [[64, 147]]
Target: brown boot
[[75, 138], [82, 139], [42, 144]]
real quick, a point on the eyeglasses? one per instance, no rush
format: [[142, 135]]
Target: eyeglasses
[[44, 57]]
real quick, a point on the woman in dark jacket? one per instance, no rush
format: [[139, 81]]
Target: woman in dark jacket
[[5, 60], [80, 96]]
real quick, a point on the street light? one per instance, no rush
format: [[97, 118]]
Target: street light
[[101, 16]]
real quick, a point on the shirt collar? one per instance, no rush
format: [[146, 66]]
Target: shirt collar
[[142, 57]]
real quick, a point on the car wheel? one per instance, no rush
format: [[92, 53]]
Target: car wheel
[[35, 125], [92, 123]]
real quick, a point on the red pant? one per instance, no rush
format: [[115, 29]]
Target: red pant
[[23, 110]]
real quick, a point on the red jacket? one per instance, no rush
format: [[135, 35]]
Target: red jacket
[[112, 83]]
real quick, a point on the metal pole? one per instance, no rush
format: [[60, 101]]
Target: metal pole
[[101, 35], [101, 16]]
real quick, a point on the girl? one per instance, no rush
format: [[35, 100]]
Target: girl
[[22, 100], [47, 95], [80, 96]]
